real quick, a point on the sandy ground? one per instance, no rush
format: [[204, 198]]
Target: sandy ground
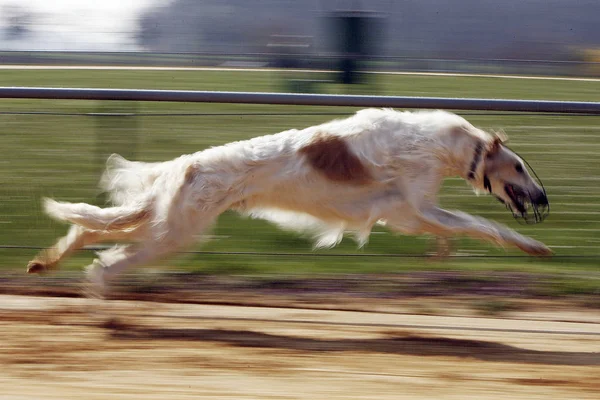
[[76, 348]]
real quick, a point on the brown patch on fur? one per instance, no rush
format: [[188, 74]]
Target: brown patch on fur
[[459, 131], [331, 156], [190, 174]]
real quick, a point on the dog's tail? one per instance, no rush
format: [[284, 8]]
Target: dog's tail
[[123, 218], [127, 181]]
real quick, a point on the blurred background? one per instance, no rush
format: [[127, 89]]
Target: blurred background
[[535, 50], [536, 36]]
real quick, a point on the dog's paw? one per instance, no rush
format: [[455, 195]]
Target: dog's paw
[[39, 267], [36, 267], [535, 248]]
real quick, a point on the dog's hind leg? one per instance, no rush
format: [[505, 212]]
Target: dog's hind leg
[[114, 261], [77, 237], [175, 234]]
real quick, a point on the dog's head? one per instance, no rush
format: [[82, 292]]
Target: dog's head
[[506, 176]]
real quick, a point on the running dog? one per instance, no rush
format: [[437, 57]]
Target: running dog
[[377, 166]]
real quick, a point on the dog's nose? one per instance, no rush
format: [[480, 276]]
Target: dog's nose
[[541, 199]]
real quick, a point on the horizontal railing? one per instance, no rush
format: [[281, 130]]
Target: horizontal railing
[[541, 106]]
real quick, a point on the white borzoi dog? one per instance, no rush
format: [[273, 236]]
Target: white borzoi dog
[[377, 166]]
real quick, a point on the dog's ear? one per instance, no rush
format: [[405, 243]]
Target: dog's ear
[[499, 138], [494, 146], [500, 135]]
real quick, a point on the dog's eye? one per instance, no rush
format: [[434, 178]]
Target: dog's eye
[[519, 168]]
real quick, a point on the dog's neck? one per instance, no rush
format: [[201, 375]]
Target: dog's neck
[[465, 155], [477, 159]]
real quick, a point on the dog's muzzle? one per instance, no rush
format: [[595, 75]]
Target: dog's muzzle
[[529, 208], [525, 206]]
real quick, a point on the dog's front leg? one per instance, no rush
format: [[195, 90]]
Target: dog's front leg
[[446, 223]]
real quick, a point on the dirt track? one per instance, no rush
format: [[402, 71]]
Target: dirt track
[[73, 348]]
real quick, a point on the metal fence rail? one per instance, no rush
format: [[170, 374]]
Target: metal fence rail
[[541, 106]]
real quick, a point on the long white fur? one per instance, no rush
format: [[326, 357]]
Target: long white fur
[[407, 155]]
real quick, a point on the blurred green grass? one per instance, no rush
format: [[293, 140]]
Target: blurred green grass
[[62, 157]]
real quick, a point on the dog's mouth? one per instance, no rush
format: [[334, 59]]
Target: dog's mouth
[[525, 207], [531, 208]]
